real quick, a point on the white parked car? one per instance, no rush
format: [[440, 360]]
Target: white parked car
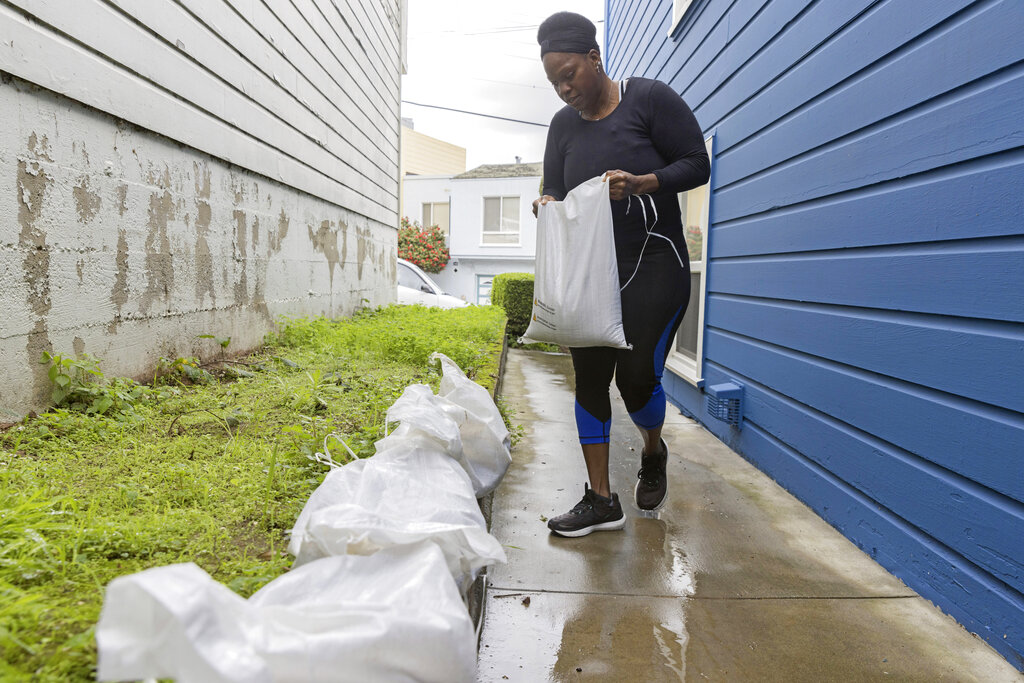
[[416, 287]]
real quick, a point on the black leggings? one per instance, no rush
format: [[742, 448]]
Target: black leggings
[[653, 305]]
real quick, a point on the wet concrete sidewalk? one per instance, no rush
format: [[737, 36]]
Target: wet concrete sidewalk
[[733, 580]]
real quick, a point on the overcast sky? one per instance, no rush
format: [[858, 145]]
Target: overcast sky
[[482, 56]]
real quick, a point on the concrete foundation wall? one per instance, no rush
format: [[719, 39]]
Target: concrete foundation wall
[[127, 245]]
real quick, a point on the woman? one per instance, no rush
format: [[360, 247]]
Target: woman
[[645, 140]]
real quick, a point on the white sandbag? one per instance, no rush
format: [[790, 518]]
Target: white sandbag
[[392, 616], [175, 622], [404, 494], [429, 421], [486, 442], [463, 419], [576, 299]]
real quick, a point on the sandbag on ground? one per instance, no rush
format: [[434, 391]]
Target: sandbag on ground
[[463, 418], [485, 438], [392, 616], [175, 622], [404, 494]]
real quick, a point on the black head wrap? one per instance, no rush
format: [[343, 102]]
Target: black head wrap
[[567, 32]]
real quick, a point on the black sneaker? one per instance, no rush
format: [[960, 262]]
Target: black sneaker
[[593, 513], [650, 490]]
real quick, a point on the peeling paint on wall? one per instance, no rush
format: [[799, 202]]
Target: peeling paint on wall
[[159, 268], [33, 182], [122, 199], [204, 216], [135, 249], [86, 202], [364, 245], [325, 241], [241, 283], [277, 237], [39, 148], [119, 294]]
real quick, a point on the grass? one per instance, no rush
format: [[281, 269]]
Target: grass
[[209, 465]]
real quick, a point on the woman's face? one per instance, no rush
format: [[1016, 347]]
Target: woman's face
[[575, 78]]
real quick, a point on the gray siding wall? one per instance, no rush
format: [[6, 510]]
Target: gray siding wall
[[865, 268], [176, 168]]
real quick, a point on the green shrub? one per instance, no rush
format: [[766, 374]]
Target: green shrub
[[514, 293]]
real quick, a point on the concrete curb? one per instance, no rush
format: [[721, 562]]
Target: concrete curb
[[478, 592]]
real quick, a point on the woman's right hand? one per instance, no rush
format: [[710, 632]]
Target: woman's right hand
[[542, 200]]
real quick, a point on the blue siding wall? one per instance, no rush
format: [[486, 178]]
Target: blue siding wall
[[866, 268]]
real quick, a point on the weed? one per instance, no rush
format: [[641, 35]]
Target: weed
[[178, 369], [222, 342], [79, 385], [515, 430]]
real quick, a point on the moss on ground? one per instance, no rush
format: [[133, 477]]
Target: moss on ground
[[213, 472]]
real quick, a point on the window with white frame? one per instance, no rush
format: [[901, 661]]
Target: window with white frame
[[688, 347], [501, 221], [437, 213], [679, 8]]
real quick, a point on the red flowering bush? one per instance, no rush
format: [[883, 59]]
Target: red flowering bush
[[694, 242], [423, 246]]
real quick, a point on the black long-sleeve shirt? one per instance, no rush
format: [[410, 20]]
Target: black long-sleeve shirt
[[652, 130]]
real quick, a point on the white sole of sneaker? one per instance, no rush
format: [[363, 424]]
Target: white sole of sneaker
[[636, 490], [606, 526]]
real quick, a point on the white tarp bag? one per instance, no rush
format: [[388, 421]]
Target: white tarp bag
[[406, 493], [576, 287], [392, 616], [464, 420], [175, 622], [486, 443]]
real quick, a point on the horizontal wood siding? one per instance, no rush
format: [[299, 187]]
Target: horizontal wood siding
[[424, 155], [302, 91], [866, 268]]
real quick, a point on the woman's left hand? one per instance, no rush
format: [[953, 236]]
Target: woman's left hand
[[622, 184]]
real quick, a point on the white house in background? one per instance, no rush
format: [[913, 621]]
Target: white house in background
[[491, 225]]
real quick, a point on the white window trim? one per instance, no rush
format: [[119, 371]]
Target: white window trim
[[692, 369], [679, 8], [483, 212]]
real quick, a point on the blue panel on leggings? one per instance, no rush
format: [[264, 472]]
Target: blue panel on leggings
[[590, 429], [653, 413], [661, 350]]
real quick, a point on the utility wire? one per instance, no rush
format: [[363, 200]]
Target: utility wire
[[510, 29], [475, 113], [520, 85], [500, 29]]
